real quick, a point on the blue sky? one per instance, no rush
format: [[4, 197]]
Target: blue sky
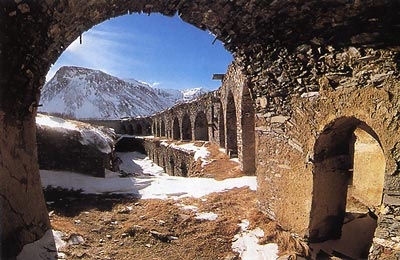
[[162, 51]]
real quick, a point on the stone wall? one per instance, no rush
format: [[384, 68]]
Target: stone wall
[[64, 150], [356, 89], [114, 124], [174, 161]]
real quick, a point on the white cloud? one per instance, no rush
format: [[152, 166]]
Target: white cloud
[[108, 49]]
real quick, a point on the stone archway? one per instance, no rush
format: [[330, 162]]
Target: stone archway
[[176, 130], [129, 129], [221, 127], [158, 132], [348, 176], [248, 133], [139, 129], [201, 127], [162, 128], [231, 127], [186, 128]]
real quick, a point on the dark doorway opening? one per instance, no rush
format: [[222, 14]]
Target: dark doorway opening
[[349, 167], [201, 127], [176, 130], [231, 127], [186, 128]]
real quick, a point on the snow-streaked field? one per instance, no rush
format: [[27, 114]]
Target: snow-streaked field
[[150, 182]]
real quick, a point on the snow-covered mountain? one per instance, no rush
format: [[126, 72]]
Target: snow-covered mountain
[[83, 93]]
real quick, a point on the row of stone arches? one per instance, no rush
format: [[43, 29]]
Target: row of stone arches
[[183, 129], [224, 117]]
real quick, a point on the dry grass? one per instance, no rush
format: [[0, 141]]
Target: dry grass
[[220, 166], [127, 228], [123, 228]]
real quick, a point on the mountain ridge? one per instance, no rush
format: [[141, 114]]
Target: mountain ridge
[[82, 93]]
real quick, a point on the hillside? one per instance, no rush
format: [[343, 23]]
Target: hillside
[[82, 93]]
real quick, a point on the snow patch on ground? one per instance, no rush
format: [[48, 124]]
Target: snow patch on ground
[[206, 216], [155, 185], [246, 244], [187, 207], [235, 160], [138, 163], [47, 247]]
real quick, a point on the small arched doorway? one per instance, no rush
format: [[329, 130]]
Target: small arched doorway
[[176, 130], [201, 127], [186, 128], [162, 130], [348, 176], [221, 127], [248, 133], [129, 129], [157, 133], [139, 129], [231, 127]]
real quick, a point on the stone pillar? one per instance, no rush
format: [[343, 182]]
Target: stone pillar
[[24, 216]]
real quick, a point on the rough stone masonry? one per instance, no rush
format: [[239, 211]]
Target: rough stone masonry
[[323, 77]]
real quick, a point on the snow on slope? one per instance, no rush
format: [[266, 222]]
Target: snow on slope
[[83, 93], [88, 134]]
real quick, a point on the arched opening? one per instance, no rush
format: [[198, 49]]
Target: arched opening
[[139, 129], [172, 165], [176, 130], [153, 128], [157, 133], [184, 169], [147, 128], [248, 133], [186, 128], [162, 130], [123, 128], [221, 127], [348, 175], [201, 127], [129, 129], [231, 127]]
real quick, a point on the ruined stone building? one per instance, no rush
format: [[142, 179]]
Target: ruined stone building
[[321, 77]]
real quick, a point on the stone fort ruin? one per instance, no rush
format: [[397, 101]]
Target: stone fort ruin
[[313, 92]]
